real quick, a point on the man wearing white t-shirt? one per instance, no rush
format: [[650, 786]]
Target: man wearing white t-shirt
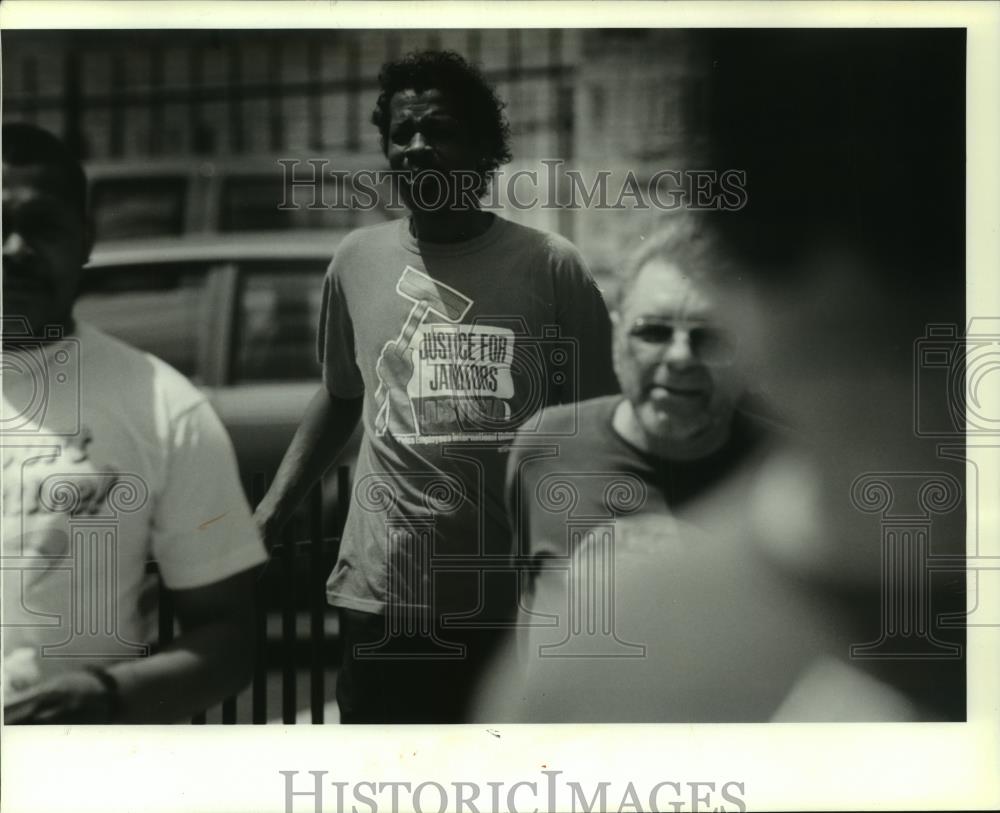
[[110, 459]]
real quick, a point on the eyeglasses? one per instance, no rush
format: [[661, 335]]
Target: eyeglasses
[[708, 344]]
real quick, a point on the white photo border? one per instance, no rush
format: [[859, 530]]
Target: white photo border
[[783, 767]]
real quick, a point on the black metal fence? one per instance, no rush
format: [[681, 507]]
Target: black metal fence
[[127, 95], [135, 98], [294, 579]]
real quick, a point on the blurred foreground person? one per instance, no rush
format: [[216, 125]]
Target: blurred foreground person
[[110, 458], [816, 598], [846, 286]]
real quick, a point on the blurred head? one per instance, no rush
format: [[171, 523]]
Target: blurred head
[[46, 236], [848, 252], [437, 112], [675, 360]]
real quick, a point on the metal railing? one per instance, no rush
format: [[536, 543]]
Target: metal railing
[[125, 102], [294, 579]]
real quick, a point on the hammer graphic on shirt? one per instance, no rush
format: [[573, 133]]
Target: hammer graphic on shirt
[[427, 295]]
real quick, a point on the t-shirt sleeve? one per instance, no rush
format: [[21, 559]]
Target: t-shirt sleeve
[[521, 479], [528, 560], [203, 531], [584, 321], [514, 501], [335, 340]]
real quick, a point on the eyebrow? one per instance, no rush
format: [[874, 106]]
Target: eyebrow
[[707, 317], [433, 114]]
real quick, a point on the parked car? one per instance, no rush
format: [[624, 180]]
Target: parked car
[[177, 196], [238, 316]]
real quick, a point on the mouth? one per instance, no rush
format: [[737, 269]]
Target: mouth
[[673, 391], [23, 280], [415, 171]]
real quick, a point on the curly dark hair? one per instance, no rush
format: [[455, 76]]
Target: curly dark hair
[[477, 101]]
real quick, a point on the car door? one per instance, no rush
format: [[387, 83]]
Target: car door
[[167, 308], [271, 371]]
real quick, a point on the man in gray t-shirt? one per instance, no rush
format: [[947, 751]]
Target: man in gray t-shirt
[[444, 333]]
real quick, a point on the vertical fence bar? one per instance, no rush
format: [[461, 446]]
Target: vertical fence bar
[[197, 137], [229, 711], [353, 117], [116, 146], [514, 87], [565, 111], [258, 712], [314, 97], [289, 595], [72, 106], [157, 119], [317, 604], [276, 113], [343, 498], [234, 93], [474, 46], [165, 621], [392, 46]]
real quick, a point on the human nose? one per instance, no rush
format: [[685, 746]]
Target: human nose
[[14, 243], [417, 147], [678, 351]]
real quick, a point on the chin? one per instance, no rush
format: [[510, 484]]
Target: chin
[[675, 427]]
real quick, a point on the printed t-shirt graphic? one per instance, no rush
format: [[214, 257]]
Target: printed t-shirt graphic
[[440, 377], [453, 348], [122, 462]]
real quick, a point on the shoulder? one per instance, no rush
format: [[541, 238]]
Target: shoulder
[[555, 259], [571, 425], [552, 246], [137, 377], [360, 241], [368, 236], [589, 414]]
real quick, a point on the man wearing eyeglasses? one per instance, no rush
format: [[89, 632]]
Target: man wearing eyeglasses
[[675, 365], [614, 494], [683, 422]]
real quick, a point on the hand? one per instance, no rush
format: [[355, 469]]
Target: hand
[[74, 697], [267, 526], [394, 365], [394, 369]]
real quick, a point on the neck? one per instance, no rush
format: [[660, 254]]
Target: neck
[[674, 444], [48, 335], [449, 226]]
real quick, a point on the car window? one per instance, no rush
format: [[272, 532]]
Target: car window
[[138, 207], [277, 322], [253, 203], [159, 308]]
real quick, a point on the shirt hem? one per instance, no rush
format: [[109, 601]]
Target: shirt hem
[[363, 605], [366, 605]]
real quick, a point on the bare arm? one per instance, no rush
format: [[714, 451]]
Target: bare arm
[[325, 429], [210, 659]]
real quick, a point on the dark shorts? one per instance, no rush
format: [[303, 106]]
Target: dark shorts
[[408, 678]]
